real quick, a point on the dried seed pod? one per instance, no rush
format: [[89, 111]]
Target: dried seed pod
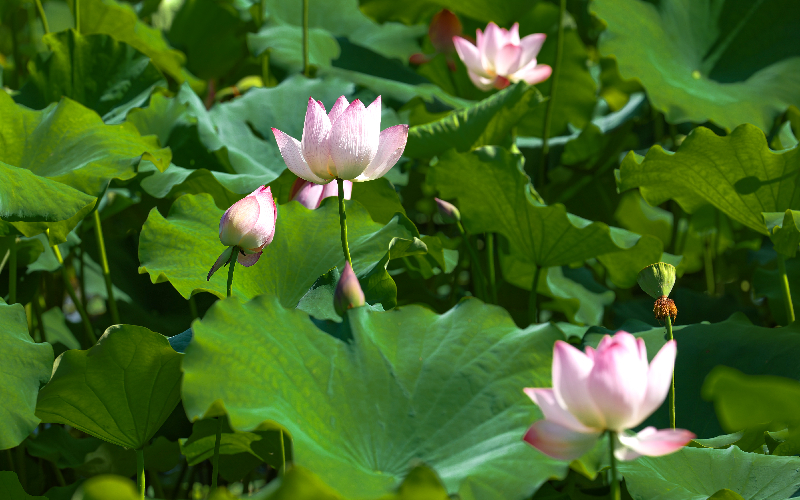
[[665, 307]]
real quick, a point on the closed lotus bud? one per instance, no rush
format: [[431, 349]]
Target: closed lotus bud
[[348, 292], [310, 195], [444, 26], [448, 211]]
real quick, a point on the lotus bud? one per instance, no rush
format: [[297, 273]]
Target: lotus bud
[[657, 281], [448, 211], [348, 292]]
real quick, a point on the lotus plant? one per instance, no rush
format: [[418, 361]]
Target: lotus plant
[[443, 28], [500, 57], [348, 293], [345, 144], [310, 195], [608, 390]]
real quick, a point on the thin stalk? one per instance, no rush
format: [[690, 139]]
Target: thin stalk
[[77, 4], [44, 17], [10, 459], [615, 494], [282, 470], [708, 267], [181, 476], [87, 324], [82, 276], [59, 475], [158, 488], [548, 115], [787, 293], [215, 458], [306, 67], [231, 265], [12, 272], [4, 260], [342, 216], [265, 67], [37, 311], [101, 246], [480, 281], [533, 306], [193, 307], [140, 472], [490, 258], [672, 388]]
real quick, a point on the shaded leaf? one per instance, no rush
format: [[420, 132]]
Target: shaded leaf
[[784, 231], [57, 445], [10, 486]]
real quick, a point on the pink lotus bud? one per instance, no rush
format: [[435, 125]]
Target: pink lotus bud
[[499, 57], [247, 227], [310, 195], [346, 143], [448, 211], [610, 388], [444, 26], [348, 292]]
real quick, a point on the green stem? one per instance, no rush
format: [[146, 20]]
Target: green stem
[[12, 272], [193, 307], [787, 293], [708, 267], [480, 280], [215, 458], [59, 476], [77, 5], [10, 459], [87, 324], [101, 246], [282, 470], [306, 67], [548, 115], [44, 17], [612, 438], [265, 67], [231, 265], [343, 220], [140, 472], [490, 258], [533, 306], [37, 312], [672, 388], [4, 260]]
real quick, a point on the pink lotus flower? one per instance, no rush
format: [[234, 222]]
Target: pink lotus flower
[[310, 195], [247, 227], [348, 293], [608, 389], [346, 143], [500, 57]]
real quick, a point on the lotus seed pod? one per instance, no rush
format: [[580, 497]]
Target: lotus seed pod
[[657, 279]]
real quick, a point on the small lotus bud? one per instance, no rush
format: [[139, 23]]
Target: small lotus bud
[[444, 26], [448, 211], [348, 292], [657, 279]]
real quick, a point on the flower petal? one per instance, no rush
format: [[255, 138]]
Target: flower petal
[[391, 144], [238, 220], [652, 443], [513, 34], [535, 75], [571, 370], [354, 140], [469, 55], [309, 195], [316, 132], [481, 82], [507, 59], [248, 260], [292, 154], [263, 231], [558, 441], [494, 40], [554, 412], [659, 380], [221, 261], [338, 108], [531, 45]]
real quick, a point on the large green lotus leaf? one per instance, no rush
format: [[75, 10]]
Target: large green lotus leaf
[[494, 195], [24, 367], [282, 42], [182, 248], [12, 489], [103, 74], [488, 122], [728, 62], [69, 143], [410, 384], [121, 22], [698, 473], [736, 343], [768, 283], [784, 231], [120, 390], [33, 204], [579, 304], [737, 173]]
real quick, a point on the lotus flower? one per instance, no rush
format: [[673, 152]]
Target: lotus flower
[[346, 143], [247, 227], [448, 211], [608, 389], [501, 58], [348, 293], [310, 195]]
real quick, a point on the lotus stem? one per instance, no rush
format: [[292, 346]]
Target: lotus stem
[[44, 17], [668, 320], [615, 493], [306, 67], [265, 67], [87, 324], [101, 246], [231, 265], [282, 470], [480, 280], [787, 292], [77, 5], [533, 306], [12, 271], [193, 307], [215, 458], [548, 114], [343, 221], [490, 258], [140, 472]]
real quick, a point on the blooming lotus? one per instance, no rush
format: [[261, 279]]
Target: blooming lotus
[[501, 58], [247, 227], [346, 143], [310, 195], [609, 389]]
